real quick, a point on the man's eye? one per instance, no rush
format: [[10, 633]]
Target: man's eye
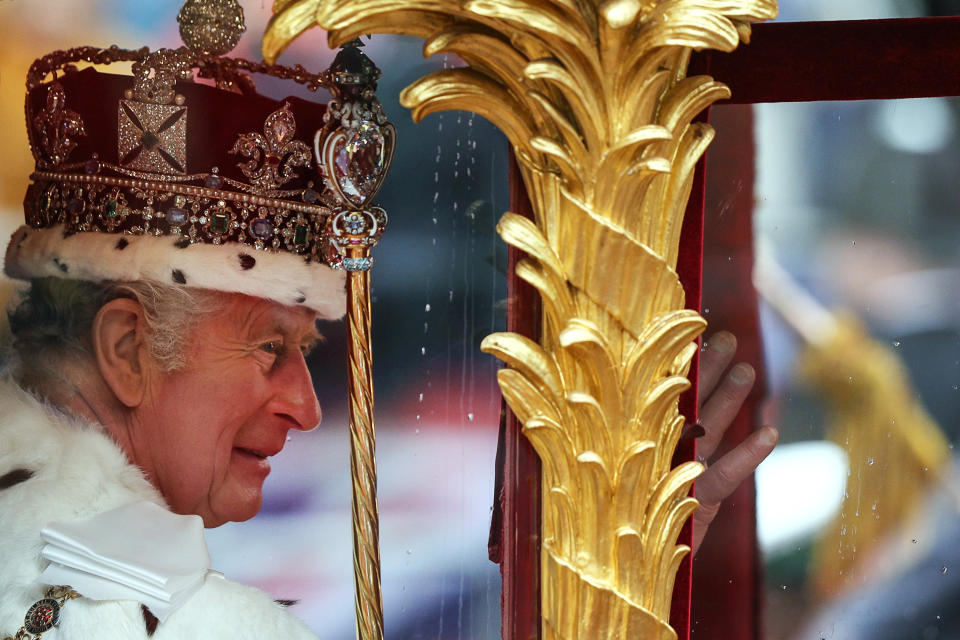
[[273, 346]]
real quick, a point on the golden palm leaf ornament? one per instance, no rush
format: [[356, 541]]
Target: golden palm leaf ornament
[[595, 100]]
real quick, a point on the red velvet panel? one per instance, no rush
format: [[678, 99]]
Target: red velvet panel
[[726, 571], [841, 60], [517, 489], [689, 268]]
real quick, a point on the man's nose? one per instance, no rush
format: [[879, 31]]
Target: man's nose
[[295, 397]]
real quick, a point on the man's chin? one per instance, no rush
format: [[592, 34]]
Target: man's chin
[[240, 509]]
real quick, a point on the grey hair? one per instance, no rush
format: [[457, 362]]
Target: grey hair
[[51, 325]]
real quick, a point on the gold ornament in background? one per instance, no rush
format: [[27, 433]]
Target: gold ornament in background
[[595, 100], [897, 452]]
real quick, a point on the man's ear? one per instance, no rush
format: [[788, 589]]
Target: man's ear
[[119, 342]]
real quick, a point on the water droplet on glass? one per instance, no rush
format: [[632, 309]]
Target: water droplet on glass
[[853, 243], [427, 307], [706, 311], [943, 569], [470, 417], [423, 351], [914, 541], [896, 343], [870, 462], [420, 399], [784, 587], [409, 552], [289, 438]]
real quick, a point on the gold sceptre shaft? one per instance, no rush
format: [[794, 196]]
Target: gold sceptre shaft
[[363, 463]]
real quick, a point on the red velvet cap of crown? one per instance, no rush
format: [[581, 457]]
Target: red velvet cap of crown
[[216, 118]]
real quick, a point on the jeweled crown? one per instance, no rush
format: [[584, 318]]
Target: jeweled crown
[[187, 150]]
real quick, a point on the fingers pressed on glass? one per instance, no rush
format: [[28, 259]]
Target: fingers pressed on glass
[[716, 356], [722, 407], [726, 474]]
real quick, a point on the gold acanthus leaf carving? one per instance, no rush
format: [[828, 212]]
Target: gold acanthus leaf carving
[[593, 95]]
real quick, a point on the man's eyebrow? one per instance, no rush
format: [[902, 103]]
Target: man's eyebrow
[[311, 339]]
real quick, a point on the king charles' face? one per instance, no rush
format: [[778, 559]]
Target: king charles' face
[[206, 432]]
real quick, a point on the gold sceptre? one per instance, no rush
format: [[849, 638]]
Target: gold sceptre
[[595, 99], [896, 450], [356, 154], [363, 463]]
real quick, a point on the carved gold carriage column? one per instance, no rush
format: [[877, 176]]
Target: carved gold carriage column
[[595, 100]]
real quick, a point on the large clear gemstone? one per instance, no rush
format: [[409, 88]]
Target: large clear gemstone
[[359, 162], [280, 126]]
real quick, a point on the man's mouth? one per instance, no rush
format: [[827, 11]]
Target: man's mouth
[[254, 452]]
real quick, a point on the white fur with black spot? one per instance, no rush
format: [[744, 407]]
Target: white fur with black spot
[[94, 256]]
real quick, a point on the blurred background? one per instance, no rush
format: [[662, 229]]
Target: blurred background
[[438, 289]]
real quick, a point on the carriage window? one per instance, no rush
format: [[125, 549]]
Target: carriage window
[[864, 9], [857, 266]]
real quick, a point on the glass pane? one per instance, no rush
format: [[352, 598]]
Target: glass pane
[[438, 289], [865, 9], [858, 267]]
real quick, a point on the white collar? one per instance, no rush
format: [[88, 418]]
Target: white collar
[[139, 551]]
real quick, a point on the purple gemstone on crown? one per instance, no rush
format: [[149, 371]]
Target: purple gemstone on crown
[[176, 217], [359, 162], [91, 166], [310, 196], [261, 228], [213, 181], [74, 206]]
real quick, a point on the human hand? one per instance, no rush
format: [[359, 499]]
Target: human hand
[[720, 402]]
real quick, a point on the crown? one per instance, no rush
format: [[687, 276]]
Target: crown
[[185, 173]]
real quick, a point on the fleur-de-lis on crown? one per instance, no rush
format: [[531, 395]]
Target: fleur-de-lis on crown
[[55, 124], [273, 155]]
